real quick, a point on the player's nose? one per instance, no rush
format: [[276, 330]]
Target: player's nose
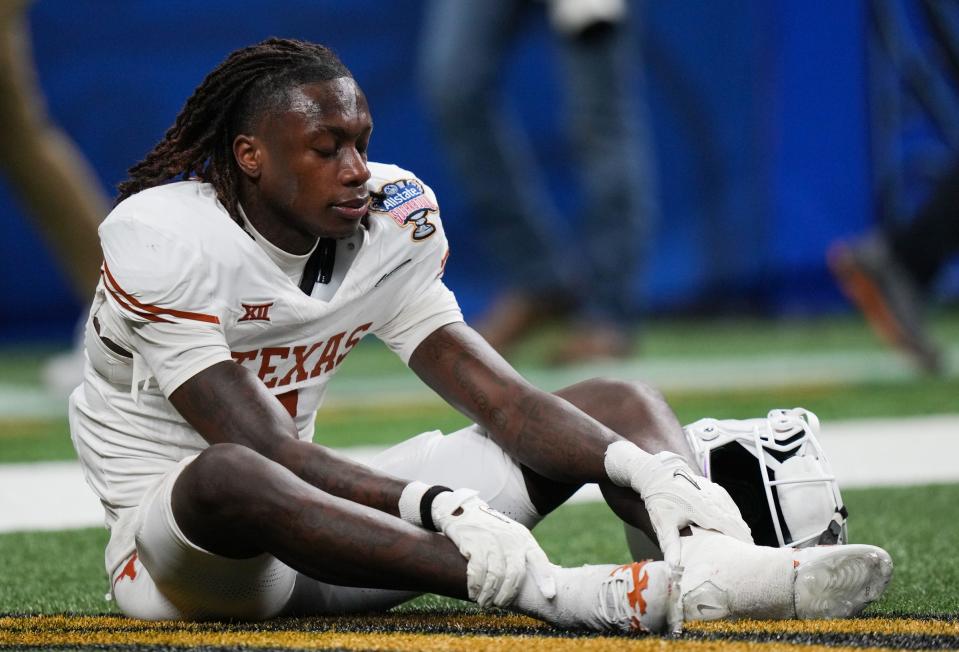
[[354, 171]]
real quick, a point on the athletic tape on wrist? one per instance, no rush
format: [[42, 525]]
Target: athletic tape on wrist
[[621, 460], [410, 502], [426, 505]]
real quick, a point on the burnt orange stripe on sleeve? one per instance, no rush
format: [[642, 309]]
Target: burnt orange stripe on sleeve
[[183, 314], [119, 299]]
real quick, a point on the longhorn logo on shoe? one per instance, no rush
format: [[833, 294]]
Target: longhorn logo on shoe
[[635, 596]]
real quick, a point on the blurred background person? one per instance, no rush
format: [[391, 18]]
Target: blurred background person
[[56, 184], [889, 274], [892, 273], [588, 278]]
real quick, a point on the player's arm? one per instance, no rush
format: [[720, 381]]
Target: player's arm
[[227, 403], [543, 431], [560, 442]]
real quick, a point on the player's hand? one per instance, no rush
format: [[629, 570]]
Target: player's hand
[[500, 551], [677, 497]]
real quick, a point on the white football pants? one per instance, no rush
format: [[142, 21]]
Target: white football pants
[[171, 578]]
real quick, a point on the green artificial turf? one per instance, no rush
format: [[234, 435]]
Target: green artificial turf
[[53, 572], [711, 337], [912, 397], [56, 572], [917, 525], [35, 440]]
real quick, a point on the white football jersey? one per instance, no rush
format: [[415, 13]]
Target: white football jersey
[[184, 287]]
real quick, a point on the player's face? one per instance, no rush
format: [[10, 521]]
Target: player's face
[[312, 169]]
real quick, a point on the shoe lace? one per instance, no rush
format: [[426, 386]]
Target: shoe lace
[[614, 602]]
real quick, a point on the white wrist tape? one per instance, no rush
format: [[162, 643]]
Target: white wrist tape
[[621, 460], [410, 502]]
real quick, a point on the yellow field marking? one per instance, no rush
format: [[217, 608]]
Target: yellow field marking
[[391, 641], [480, 621], [881, 626], [44, 631], [463, 621]]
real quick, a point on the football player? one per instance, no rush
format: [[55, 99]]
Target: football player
[[248, 254]]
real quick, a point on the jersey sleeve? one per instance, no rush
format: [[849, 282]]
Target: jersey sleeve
[[164, 289], [175, 354], [422, 302], [423, 311]]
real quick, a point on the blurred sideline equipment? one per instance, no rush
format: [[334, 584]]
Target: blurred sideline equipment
[[777, 473]]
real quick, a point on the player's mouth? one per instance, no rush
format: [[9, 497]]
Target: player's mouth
[[354, 208]]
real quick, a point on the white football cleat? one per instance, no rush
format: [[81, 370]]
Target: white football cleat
[[839, 581], [725, 578], [636, 597]]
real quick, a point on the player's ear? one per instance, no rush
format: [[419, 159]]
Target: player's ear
[[247, 152]]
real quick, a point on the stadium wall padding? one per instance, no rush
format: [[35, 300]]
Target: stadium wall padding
[[758, 110]]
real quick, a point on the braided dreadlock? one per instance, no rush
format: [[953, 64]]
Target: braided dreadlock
[[230, 99]]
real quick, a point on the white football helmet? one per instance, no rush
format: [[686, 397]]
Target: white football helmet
[[776, 471]]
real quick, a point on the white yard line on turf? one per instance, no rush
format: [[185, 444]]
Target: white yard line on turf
[[667, 374], [863, 453]]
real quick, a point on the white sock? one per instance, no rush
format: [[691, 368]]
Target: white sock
[[567, 609]]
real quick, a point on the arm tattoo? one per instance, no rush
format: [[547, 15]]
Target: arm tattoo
[[478, 398]]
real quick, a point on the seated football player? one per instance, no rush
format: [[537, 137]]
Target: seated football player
[[248, 254]]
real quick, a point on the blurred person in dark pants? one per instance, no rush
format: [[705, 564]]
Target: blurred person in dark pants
[[889, 274], [588, 281]]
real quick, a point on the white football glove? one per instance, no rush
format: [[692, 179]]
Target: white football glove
[[675, 496], [500, 551]]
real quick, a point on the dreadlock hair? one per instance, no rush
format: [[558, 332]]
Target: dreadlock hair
[[229, 101]]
